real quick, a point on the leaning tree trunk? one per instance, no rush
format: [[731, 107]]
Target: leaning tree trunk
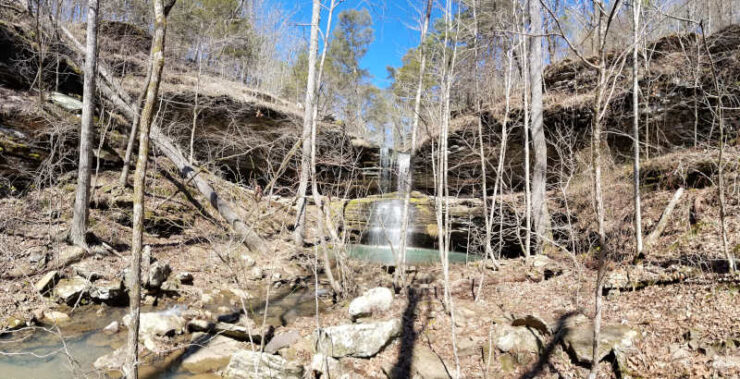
[[82, 195], [539, 205], [300, 225], [118, 97], [130, 369]]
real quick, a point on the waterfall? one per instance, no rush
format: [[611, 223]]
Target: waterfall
[[385, 224]]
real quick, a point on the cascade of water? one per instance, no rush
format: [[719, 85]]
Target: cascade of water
[[385, 224]]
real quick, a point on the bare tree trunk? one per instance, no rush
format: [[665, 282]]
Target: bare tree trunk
[[720, 160], [527, 176], [195, 104], [400, 273], [82, 194], [636, 127], [132, 136], [300, 225], [130, 369], [539, 204], [324, 227]]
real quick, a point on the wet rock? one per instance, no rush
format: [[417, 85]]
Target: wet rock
[[47, 282], [281, 341], [70, 290], [243, 363], [579, 341], [356, 340], [12, 323], [373, 300], [212, 355], [55, 317], [112, 328], [185, 278], [158, 323], [108, 291], [112, 361]]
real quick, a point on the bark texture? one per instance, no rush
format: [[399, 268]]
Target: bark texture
[[82, 194], [130, 369]]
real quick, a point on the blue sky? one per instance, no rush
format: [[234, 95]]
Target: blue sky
[[395, 24]]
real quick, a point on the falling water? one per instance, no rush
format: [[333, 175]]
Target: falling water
[[386, 216]]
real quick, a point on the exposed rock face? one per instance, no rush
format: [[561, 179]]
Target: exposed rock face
[[69, 290], [242, 366], [356, 340], [378, 299], [214, 355]]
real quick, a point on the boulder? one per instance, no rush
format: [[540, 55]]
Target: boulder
[[373, 300], [85, 270], [158, 273], [327, 366], [212, 355], [108, 291], [112, 361], [424, 364], [356, 340], [66, 102], [70, 290], [579, 341], [112, 328], [12, 323], [243, 363], [243, 330], [281, 341], [516, 339], [47, 282], [55, 317], [184, 278], [158, 323], [71, 254]]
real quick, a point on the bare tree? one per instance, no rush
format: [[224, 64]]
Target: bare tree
[[636, 127], [130, 369], [539, 204], [399, 275], [82, 194], [300, 225]]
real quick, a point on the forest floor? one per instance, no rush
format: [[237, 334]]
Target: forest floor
[[687, 325]]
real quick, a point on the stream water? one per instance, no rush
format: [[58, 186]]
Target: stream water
[[70, 350]]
